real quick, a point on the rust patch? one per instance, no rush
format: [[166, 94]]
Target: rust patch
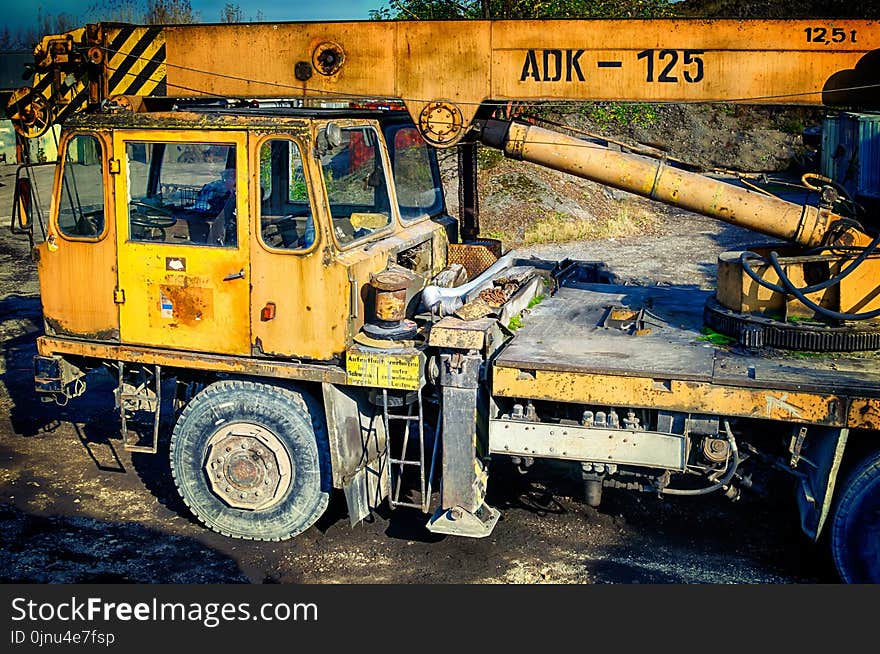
[[57, 328], [187, 305], [864, 414]]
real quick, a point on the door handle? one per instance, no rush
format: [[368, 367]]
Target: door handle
[[238, 275]]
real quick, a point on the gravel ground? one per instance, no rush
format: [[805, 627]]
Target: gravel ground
[[75, 507]]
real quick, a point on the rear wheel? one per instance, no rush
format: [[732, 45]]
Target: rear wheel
[[855, 526], [251, 460]]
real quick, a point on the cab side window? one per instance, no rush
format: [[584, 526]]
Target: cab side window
[[354, 177], [286, 219], [81, 209]]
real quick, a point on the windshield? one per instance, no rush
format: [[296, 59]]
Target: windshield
[[354, 179], [416, 173]]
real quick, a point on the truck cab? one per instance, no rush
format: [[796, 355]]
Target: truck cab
[[238, 231]]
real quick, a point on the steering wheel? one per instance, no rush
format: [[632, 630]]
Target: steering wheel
[[88, 222], [151, 217]]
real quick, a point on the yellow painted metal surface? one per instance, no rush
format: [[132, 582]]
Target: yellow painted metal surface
[[320, 294], [857, 292], [47, 346], [864, 413], [175, 295], [399, 369], [469, 62], [78, 276], [135, 61], [672, 394], [447, 68]]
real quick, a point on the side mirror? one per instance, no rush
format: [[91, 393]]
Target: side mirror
[[22, 221], [329, 139]]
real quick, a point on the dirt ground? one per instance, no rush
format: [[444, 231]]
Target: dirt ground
[[74, 507]]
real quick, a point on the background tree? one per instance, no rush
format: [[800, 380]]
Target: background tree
[[439, 9], [231, 13], [169, 12]]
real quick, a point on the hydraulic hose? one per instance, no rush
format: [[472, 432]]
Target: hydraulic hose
[[787, 287], [865, 253], [721, 483], [836, 315]]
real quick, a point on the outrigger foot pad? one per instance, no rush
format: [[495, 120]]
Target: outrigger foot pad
[[459, 522]]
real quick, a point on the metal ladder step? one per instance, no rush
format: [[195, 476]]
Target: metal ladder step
[[397, 465], [144, 396]]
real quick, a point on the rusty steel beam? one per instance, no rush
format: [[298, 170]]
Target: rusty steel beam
[[47, 346]]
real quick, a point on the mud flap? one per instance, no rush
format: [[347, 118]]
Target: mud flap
[[366, 490], [822, 454], [357, 449]]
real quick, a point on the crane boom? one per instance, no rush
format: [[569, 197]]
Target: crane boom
[[445, 70]]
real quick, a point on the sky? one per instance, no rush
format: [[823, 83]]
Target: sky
[[21, 13]]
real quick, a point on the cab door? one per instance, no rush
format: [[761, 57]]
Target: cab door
[[184, 273]]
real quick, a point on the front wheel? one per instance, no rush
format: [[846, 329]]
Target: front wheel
[[251, 460], [855, 525]]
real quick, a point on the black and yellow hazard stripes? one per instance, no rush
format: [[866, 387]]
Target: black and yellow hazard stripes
[[134, 64], [135, 61]]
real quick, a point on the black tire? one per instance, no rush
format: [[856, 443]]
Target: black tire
[[293, 418], [855, 525]]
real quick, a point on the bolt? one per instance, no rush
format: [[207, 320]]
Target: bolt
[[257, 493], [229, 489], [213, 465], [455, 514], [228, 448], [266, 482], [241, 495]]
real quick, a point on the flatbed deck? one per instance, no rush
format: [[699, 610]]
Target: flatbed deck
[[563, 352]]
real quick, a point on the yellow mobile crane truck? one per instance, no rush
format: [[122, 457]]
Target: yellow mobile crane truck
[[254, 213]]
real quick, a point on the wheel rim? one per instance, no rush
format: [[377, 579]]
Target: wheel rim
[[248, 467]]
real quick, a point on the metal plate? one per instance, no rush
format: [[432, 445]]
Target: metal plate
[[384, 369], [564, 333], [575, 443]]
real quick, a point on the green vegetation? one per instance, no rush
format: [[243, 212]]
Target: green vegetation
[[515, 323], [488, 158], [791, 124], [535, 301], [620, 114], [715, 338], [558, 227], [439, 9]]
